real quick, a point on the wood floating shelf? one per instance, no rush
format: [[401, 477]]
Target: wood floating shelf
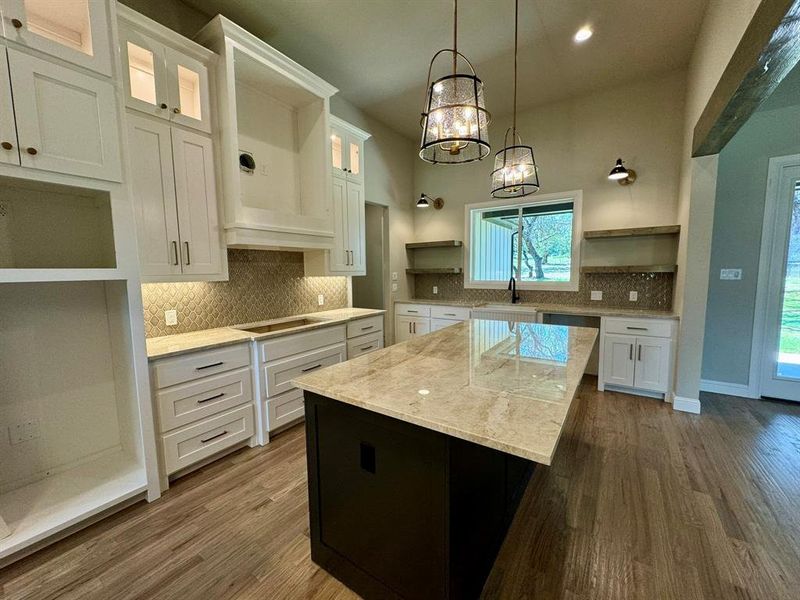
[[435, 271], [631, 269], [439, 244], [632, 232]]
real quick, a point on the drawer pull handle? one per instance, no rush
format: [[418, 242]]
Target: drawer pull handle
[[216, 364], [214, 437], [220, 395], [307, 369], [449, 314], [368, 347], [367, 327], [414, 311], [636, 328]]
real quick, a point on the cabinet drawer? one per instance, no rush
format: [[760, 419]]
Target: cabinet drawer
[[284, 408], [288, 345], [278, 375], [455, 313], [190, 402], [412, 310], [364, 344], [364, 326], [437, 324], [652, 327], [171, 371], [196, 442]]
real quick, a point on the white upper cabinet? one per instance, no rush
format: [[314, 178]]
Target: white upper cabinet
[[9, 148], [66, 121], [347, 150], [76, 31], [165, 78]]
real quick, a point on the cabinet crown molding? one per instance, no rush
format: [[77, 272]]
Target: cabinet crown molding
[[340, 123]]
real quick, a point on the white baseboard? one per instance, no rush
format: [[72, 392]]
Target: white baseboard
[[730, 389], [690, 405]]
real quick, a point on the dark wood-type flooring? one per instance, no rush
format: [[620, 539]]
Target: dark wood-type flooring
[[641, 502]]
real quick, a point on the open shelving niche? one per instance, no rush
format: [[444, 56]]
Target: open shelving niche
[[631, 250], [75, 399], [435, 257]]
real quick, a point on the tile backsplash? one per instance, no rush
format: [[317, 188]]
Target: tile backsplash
[[654, 289], [263, 285]]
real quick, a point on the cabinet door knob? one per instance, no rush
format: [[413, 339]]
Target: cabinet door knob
[[163, 105], [7, 146], [31, 151], [176, 110], [16, 23]]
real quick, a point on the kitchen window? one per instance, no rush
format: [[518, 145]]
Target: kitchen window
[[537, 242]]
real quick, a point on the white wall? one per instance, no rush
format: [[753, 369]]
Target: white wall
[[576, 142], [723, 26]]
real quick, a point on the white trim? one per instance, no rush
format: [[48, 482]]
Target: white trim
[[340, 123], [576, 197], [758, 338], [690, 405], [740, 390]]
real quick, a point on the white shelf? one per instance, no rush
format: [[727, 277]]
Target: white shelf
[[56, 275], [41, 509]]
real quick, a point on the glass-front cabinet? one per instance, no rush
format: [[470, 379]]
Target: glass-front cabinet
[[76, 31], [163, 82], [347, 150]]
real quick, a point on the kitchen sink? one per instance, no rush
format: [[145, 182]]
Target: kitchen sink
[[281, 326]]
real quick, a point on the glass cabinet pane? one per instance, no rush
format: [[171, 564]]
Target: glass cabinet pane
[[66, 22], [142, 73], [337, 151], [355, 158], [189, 91]]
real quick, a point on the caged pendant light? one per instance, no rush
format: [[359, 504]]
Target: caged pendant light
[[455, 120], [515, 173]]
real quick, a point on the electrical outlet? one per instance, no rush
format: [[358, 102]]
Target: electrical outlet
[[633, 296], [596, 295], [320, 299], [394, 287], [24, 432], [394, 275], [730, 274], [436, 289], [171, 317]]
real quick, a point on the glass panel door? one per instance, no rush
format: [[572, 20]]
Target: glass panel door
[[355, 157], [782, 333], [144, 71], [189, 101], [337, 152]]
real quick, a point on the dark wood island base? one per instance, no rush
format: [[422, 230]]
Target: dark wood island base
[[400, 511]]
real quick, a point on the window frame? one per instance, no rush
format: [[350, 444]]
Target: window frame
[[574, 196]]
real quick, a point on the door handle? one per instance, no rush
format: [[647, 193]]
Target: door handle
[[415, 327], [630, 352], [640, 353], [186, 245], [175, 250], [409, 327]]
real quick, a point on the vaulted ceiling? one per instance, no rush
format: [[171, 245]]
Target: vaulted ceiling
[[377, 51]]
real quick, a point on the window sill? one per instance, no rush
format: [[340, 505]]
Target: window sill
[[560, 286]]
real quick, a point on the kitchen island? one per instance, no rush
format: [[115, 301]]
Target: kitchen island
[[418, 454]]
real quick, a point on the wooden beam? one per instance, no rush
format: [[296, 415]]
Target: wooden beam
[[768, 50]]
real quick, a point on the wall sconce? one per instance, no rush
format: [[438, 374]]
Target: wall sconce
[[622, 175], [426, 201]]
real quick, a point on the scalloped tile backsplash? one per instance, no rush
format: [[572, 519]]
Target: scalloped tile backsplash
[[263, 285]]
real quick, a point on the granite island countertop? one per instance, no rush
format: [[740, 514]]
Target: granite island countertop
[[507, 388], [206, 339]]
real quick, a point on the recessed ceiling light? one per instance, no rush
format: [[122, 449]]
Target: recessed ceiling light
[[583, 34]]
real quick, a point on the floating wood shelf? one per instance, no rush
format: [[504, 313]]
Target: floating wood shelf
[[631, 269], [632, 232], [435, 271], [439, 244]]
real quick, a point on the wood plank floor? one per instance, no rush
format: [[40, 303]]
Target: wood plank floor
[[641, 502]]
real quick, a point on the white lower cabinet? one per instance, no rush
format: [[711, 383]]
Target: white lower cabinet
[[408, 327], [364, 336], [204, 404], [636, 354], [413, 319]]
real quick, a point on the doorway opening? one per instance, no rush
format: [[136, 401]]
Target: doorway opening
[[372, 290]]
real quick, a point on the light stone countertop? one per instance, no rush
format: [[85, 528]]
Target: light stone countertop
[[505, 388], [182, 343], [562, 309]]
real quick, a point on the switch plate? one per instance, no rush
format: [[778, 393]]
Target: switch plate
[[394, 275], [730, 274], [320, 299], [436, 289], [24, 432], [596, 295], [633, 296], [171, 317], [394, 287]]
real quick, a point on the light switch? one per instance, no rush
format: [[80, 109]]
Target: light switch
[[730, 274], [320, 299], [394, 287], [633, 296], [436, 289], [394, 275], [596, 295], [171, 317]]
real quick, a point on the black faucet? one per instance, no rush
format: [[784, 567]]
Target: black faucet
[[512, 285]]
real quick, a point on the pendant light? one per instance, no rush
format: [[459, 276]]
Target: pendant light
[[515, 173], [455, 120]]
